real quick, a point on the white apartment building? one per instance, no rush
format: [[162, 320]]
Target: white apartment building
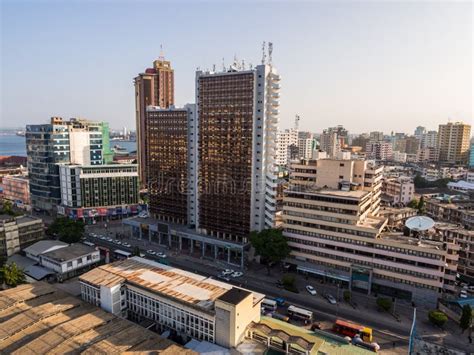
[[400, 190], [285, 139], [379, 150], [427, 154], [194, 306], [399, 157], [429, 139], [306, 147], [335, 232]]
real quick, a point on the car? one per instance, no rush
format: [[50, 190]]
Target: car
[[127, 245], [143, 214], [311, 290], [223, 277], [316, 325], [236, 274], [463, 294], [280, 301], [109, 239], [471, 288], [118, 242], [160, 254], [331, 299], [151, 252], [227, 272]]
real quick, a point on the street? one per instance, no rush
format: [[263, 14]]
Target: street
[[391, 334]]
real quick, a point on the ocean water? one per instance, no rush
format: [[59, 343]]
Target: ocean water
[[11, 144]]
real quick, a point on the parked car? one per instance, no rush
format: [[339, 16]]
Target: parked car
[[311, 290], [280, 301], [236, 274], [126, 245], [161, 255], [463, 294], [331, 299], [227, 272], [151, 252], [223, 277]]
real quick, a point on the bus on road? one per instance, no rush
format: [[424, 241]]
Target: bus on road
[[269, 305], [352, 329], [121, 254], [295, 312]]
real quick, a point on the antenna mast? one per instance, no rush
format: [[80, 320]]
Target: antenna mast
[[270, 52], [162, 54], [297, 122], [264, 55]]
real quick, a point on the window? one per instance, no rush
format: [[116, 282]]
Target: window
[[69, 264]]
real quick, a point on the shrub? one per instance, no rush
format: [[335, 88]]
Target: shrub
[[384, 303], [347, 295], [438, 318]]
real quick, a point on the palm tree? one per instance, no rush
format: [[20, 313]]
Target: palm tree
[[11, 275]]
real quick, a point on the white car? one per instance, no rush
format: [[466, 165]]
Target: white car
[[151, 252], [161, 255], [463, 294], [236, 274], [311, 290], [126, 245], [331, 299], [227, 272]]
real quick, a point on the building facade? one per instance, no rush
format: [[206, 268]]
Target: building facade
[[98, 191], [380, 150], [76, 141], [16, 188], [154, 87], [333, 140], [400, 190], [16, 233], [237, 114], [453, 142], [170, 164], [193, 306], [285, 140], [335, 232]]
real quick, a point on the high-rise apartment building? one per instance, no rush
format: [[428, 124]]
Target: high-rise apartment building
[[429, 139], [285, 139], [237, 114], [171, 162], [306, 146], [332, 224], [379, 150], [376, 136], [75, 141], [154, 87], [419, 131], [453, 142], [333, 140]]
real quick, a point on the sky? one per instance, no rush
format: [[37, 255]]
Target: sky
[[378, 65]]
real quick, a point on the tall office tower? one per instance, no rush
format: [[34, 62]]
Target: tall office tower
[[306, 145], [419, 131], [285, 139], [333, 140], [170, 164], [453, 142], [333, 227], [238, 121], [429, 140], [154, 87], [376, 136], [75, 141]]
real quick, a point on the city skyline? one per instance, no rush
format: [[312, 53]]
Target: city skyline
[[355, 66]]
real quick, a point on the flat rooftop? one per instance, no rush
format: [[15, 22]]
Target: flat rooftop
[[176, 284], [401, 239], [72, 251], [38, 318], [357, 194]]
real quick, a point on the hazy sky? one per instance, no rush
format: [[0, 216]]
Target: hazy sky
[[375, 65]]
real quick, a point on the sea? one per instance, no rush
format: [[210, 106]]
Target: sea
[[11, 144]]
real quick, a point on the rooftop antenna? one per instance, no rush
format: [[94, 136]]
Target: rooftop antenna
[[223, 64], [270, 51], [213, 67], [264, 55], [162, 54], [243, 64]]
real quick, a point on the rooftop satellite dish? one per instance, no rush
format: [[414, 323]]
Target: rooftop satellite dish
[[419, 223]]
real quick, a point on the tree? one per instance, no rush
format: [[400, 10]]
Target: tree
[[136, 251], [12, 275], [288, 282], [466, 317], [347, 296], [67, 230], [421, 205], [413, 203], [384, 303], [438, 318], [271, 245]]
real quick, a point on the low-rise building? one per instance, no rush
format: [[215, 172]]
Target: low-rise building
[[98, 192], [16, 233], [379, 150], [451, 210], [461, 186], [397, 216], [193, 306], [400, 191], [16, 188]]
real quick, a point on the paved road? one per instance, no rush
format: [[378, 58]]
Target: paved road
[[390, 334]]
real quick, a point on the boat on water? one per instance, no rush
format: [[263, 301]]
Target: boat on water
[[118, 150], [20, 133]]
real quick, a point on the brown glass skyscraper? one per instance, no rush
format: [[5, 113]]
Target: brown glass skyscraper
[[154, 87], [167, 163]]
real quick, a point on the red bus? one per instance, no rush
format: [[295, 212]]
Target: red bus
[[352, 329]]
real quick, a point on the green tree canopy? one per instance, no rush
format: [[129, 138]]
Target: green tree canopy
[[12, 275], [384, 303], [438, 318], [67, 230], [271, 245], [466, 317]]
